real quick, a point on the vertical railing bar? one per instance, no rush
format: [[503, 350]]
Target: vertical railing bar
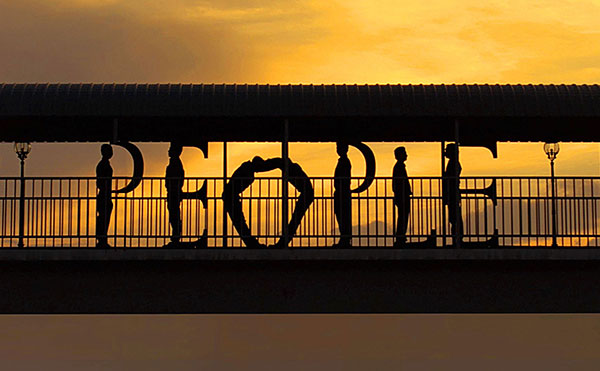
[[589, 208], [79, 212], [467, 208], [431, 207], [486, 227], [324, 219], [315, 226], [568, 205], [503, 206], [443, 211], [475, 228], [529, 211], [302, 226], [376, 212], [30, 219], [60, 211], [416, 221], [385, 213], [224, 227], [11, 212], [511, 214], [213, 198], [584, 212], [89, 215], [539, 216], [575, 228], [560, 204], [268, 211], [140, 215], [582, 205], [520, 212], [575, 204], [594, 215], [14, 210], [69, 213], [249, 199], [159, 218], [358, 198], [5, 217], [367, 221], [258, 212], [115, 212]]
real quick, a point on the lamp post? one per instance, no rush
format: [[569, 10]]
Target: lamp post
[[551, 150], [22, 150]]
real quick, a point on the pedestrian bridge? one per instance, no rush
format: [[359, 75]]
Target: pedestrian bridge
[[245, 242]]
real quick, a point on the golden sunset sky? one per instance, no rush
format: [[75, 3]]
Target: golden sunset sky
[[268, 41], [301, 41]]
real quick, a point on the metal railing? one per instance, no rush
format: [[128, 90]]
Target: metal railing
[[61, 213]]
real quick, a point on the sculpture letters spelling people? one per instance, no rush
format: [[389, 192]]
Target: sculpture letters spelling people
[[174, 183], [451, 192], [342, 201], [104, 205], [402, 193]]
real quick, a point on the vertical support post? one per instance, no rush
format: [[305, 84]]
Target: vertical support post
[[224, 182], [458, 217], [440, 190], [284, 180], [554, 229], [22, 205]]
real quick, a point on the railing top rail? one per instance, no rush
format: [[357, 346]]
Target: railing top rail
[[504, 177]]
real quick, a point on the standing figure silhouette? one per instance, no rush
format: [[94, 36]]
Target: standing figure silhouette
[[174, 183], [104, 205], [402, 193], [342, 198], [451, 192]]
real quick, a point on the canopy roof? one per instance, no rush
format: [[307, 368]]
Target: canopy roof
[[163, 112]]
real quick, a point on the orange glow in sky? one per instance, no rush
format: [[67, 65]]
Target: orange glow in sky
[[306, 41], [303, 41]]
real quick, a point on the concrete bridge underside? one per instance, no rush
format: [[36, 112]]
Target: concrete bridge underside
[[294, 281]]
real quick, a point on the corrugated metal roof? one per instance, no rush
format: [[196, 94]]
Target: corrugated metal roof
[[223, 100]]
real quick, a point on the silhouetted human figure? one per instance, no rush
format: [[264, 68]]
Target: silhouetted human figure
[[342, 198], [174, 176], [451, 192], [104, 205], [241, 179], [300, 180], [402, 193]]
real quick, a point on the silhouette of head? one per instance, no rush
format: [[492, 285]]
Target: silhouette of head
[[175, 150], [258, 163], [106, 151], [451, 151], [400, 154], [342, 149]]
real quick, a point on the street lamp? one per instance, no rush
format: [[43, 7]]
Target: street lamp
[[22, 150], [552, 150]]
